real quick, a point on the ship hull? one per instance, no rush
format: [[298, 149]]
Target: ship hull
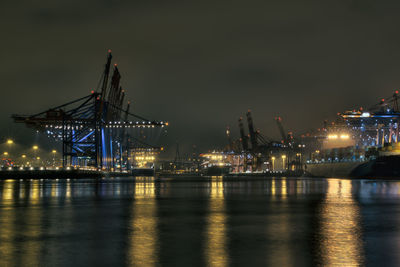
[[332, 169], [381, 167]]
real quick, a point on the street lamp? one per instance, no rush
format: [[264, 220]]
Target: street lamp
[[283, 161], [35, 148], [273, 163], [10, 142]]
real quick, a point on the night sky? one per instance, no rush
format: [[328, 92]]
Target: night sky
[[201, 64]]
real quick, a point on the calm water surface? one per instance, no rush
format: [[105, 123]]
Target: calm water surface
[[199, 222]]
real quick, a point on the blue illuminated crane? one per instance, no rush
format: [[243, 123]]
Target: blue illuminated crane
[[378, 124], [93, 129]]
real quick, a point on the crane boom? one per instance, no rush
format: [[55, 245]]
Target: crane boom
[[253, 137], [281, 130], [243, 137]]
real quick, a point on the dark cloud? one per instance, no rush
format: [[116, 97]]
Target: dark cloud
[[202, 64]]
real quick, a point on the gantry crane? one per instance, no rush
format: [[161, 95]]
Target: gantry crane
[[92, 128]]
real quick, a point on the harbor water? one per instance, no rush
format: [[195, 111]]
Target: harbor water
[[199, 221]]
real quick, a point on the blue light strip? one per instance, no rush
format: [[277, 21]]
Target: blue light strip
[[103, 147], [83, 138], [111, 149]]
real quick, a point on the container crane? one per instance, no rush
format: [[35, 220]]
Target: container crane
[[243, 137], [253, 134], [281, 130]]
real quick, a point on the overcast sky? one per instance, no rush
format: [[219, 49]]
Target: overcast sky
[[201, 64]]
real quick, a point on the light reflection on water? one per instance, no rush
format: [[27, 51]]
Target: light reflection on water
[[32, 245], [279, 229], [216, 247], [8, 190], [144, 224], [340, 226], [7, 226], [202, 221]]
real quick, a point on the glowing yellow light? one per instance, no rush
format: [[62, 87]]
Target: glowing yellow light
[[54, 151], [35, 147], [344, 136], [37, 157], [332, 136], [5, 153], [347, 232], [24, 156], [9, 141], [216, 242], [284, 156], [144, 238]]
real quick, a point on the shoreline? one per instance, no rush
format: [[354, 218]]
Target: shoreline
[[57, 174], [87, 174]]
